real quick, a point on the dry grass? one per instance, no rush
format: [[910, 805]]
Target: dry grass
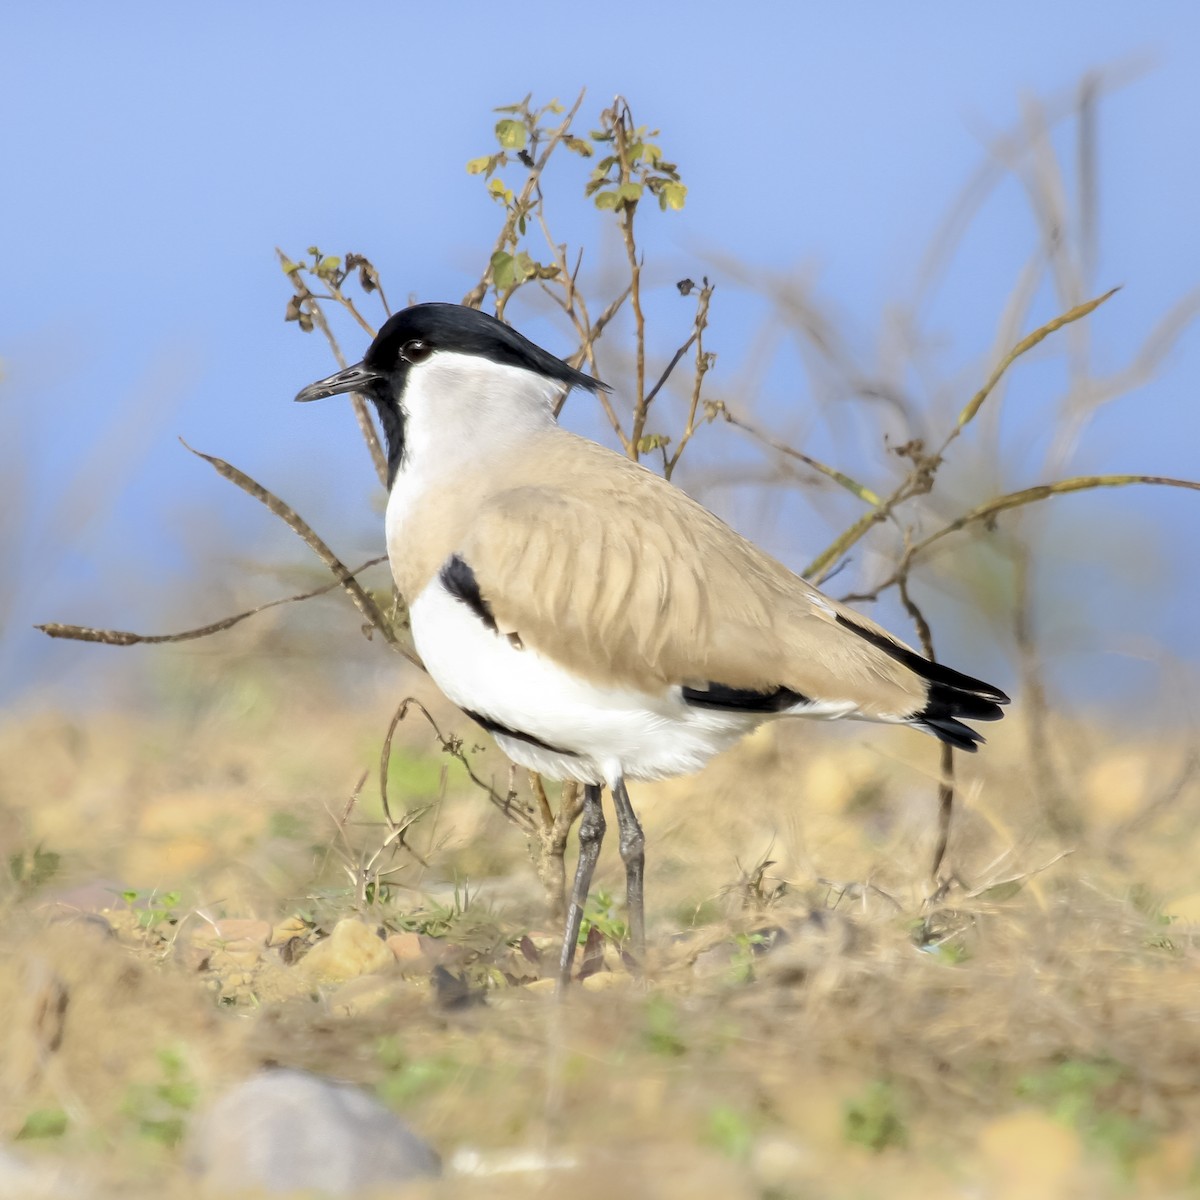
[[1032, 1032]]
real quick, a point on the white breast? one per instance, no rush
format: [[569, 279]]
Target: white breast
[[598, 734]]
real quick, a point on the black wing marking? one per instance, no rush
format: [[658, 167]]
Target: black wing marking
[[731, 699], [494, 727], [459, 580]]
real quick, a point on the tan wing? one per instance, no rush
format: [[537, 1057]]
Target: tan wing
[[618, 575]]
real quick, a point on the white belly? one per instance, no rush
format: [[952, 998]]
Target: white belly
[[590, 733]]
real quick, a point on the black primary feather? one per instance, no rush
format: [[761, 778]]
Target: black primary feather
[[951, 693]]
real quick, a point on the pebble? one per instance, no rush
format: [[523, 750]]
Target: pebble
[[366, 993], [607, 981], [95, 896], [351, 950], [405, 947], [285, 1130], [782, 1165], [238, 929], [39, 1179], [230, 942], [287, 929]]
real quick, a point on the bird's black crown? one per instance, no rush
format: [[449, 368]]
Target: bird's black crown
[[462, 330]]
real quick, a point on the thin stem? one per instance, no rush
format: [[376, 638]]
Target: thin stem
[[702, 363], [839, 477], [366, 425], [117, 637], [992, 508], [945, 792], [641, 403], [522, 205]]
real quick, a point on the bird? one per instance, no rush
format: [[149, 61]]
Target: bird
[[600, 623]]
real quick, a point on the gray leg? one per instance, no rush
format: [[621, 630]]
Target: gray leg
[[591, 834], [633, 843]]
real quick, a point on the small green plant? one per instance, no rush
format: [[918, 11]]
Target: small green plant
[[601, 914], [159, 1110], [43, 1123], [730, 1131], [462, 912], [286, 825], [153, 908], [30, 869], [874, 1119], [409, 1077], [661, 1031], [1084, 1093], [747, 948]]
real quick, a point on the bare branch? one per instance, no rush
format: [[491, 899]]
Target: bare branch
[[116, 637], [851, 485], [945, 793], [992, 508], [703, 361], [587, 352], [308, 301], [453, 746], [1022, 347], [362, 599], [622, 121], [920, 478]]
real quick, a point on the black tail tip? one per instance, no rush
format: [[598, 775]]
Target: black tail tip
[[953, 733], [948, 707]]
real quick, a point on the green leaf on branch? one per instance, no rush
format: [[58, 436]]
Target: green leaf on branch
[[512, 135], [503, 270], [672, 195], [477, 166], [607, 200], [524, 266], [652, 441], [577, 146], [631, 193]]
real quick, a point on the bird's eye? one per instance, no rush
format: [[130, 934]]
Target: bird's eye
[[416, 351]]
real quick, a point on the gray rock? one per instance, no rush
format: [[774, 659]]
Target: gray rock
[[285, 1130]]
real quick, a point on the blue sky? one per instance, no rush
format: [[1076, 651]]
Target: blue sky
[[155, 155]]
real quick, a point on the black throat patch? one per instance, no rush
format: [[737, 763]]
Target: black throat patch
[[391, 420]]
